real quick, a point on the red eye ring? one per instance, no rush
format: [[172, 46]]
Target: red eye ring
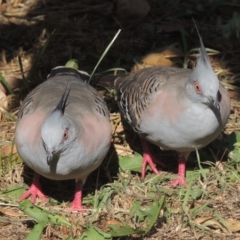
[[197, 87], [65, 134]]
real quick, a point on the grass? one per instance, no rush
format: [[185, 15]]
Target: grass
[[120, 204], [129, 206]]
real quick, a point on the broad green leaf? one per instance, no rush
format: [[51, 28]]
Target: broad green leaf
[[138, 212], [233, 144], [196, 193], [72, 63], [123, 230], [95, 234], [14, 192], [135, 208], [103, 198], [232, 139], [55, 219], [39, 215], [153, 213], [36, 232], [237, 144], [129, 163], [149, 214], [33, 211]]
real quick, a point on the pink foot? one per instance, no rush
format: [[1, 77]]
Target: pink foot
[[77, 201], [178, 181], [149, 159], [181, 171], [34, 190]]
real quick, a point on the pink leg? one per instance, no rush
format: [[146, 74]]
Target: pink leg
[[180, 180], [148, 159], [77, 201], [34, 190]]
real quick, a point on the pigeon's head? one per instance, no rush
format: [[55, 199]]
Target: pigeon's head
[[58, 131], [203, 85]]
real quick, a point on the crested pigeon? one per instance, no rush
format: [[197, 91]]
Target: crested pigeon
[[175, 109], [63, 131]]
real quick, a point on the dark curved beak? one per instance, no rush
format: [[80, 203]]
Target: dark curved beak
[[214, 102], [49, 158]]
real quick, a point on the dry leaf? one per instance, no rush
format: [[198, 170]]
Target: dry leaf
[[3, 224], [111, 222], [10, 213], [7, 150], [211, 222], [2, 95], [233, 225], [159, 58], [133, 9]]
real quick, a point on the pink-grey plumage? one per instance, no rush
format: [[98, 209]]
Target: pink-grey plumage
[[63, 131], [175, 109]]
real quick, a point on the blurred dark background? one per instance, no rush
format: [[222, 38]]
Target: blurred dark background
[[47, 33]]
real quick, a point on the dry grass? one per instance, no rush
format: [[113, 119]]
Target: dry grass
[[208, 208]]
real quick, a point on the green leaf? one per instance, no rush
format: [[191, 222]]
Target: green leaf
[[72, 63], [153, 213], [39, 57], [196, 193], [196, 211], [237, 144], [123, 230], [34, 212], [57, 220], [150, 213], [200, 166], [104, 53], [36, 232], [39, 215], [129, 163], [233, 144], [104, 197], [14, 192], [187, 195], [138, 212], [231, 28], [221, 220], [8, 115], [5, 83], [96, 234], [135, 208]]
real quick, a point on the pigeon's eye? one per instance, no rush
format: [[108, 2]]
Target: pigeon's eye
[[197, 88], [65, 134]]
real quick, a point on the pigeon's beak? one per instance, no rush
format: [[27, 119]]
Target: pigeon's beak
[[49, 158], [214, 103]]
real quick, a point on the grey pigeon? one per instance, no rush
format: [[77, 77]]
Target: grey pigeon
[[63, 131], [175, 109]]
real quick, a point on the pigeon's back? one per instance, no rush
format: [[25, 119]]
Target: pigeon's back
[[82, 97]]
